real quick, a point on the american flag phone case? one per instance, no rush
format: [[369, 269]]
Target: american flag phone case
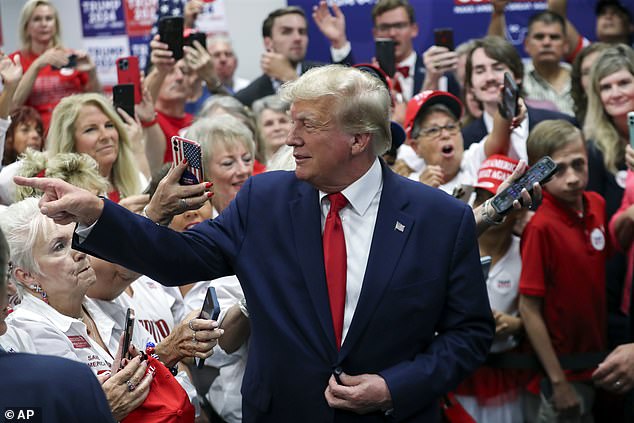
[[190, 150]]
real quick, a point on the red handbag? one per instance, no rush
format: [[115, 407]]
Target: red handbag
[[453, 411], [167, 401]]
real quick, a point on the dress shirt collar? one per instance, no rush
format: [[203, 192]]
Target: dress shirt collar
[[35, 305], [361, 192]]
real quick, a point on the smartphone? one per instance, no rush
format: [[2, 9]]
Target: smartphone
[[123, 96], [201, 37], [128, 73], [509, 107], [127, 334], [630, 124], [444, 37], [210, 311], [540, 172], [170, 30], [463, 192], [485, 262], [182, 149], [72, 63], [384, 48]]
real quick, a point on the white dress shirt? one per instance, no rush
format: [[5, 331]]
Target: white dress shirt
[[357, 218], [56, 334]]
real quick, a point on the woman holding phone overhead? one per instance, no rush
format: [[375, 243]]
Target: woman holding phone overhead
[[51, 72]]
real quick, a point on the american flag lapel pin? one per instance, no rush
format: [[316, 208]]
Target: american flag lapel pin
[[399, 226]]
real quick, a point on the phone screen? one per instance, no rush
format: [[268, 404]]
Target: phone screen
[[210, 311], [128, 332], [385, 55], [540, 172]]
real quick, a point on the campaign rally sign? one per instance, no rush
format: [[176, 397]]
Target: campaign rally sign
[[139, 16], [102, 17], [104, 52]]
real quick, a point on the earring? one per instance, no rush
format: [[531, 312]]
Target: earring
[[40, 291]]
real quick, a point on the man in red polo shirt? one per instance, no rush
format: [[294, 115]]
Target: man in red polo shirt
[[562, 284]]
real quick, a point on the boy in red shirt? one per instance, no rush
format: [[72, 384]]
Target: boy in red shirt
[[562, 284]]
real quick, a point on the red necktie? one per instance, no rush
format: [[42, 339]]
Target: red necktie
[[403, 70], [335, 262]]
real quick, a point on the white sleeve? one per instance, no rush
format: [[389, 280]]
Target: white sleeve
[[338, 54]]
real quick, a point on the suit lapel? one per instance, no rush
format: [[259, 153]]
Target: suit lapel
[[419, 74], [391, 231], [306, 224]]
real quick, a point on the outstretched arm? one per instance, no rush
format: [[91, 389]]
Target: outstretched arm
[[497, 26]]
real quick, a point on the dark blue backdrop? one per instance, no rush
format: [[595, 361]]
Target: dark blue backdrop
[[468, 18]]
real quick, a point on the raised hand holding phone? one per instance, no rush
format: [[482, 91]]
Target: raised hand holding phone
[[540, 172], [189, 151]]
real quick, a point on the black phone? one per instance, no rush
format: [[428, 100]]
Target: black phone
[[384, 48], [485, 262], [170, 30], [444, 37], [540, 172], [123, 96], [128, 331], [210, 311], [201, 37], [72, 63], [509, 107]]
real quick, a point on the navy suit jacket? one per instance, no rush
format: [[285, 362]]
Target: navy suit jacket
[[422, 322], [65, 391], [476, 130]]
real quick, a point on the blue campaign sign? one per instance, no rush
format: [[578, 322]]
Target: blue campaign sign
[[102, 17], [468, 18]]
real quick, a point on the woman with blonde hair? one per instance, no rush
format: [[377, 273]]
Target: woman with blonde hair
[[51, 72], [87, 123], [610, 99]]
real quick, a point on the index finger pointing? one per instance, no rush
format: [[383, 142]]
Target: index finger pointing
[[38, 183]]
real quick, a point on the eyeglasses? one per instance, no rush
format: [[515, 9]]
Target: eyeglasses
[[435, 131], [399, 26]]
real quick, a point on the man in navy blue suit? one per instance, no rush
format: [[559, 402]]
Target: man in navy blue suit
[[399, 313], [56, 390]]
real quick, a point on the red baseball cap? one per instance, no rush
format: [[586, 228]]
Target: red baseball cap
[[493, 171], [427, 98]]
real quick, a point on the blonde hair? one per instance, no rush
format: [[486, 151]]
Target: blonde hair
[[598, 125], [360, 102], [220, 130], [61, 138], [25, 16], [79, 170]]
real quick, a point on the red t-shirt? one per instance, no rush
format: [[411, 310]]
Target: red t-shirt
[[563, 261], [50, 86], [170, 126]]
